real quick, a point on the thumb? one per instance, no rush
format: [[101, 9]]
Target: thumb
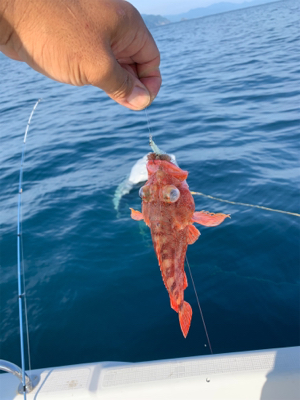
[[121, 83]]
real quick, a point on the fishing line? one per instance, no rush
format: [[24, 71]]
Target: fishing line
[[151, 143], [245, 204], [21, 285], [148, 124], [200, 309]]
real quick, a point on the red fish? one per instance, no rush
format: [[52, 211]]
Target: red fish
[[168, 209]]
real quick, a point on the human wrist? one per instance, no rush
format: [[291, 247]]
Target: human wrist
[[13, 23]]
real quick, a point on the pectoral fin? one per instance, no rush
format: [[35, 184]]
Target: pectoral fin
[[137, 215], [193, 234], [209, 219]]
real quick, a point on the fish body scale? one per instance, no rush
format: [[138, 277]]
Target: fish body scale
[[169, 223], [168, 209]]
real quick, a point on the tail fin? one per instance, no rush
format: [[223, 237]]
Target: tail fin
[[185, 317]]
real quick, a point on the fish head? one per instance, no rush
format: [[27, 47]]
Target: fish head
[[166, 184], [167, 192]]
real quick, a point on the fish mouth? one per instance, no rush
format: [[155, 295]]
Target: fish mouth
[[162, 157], [159, 154]]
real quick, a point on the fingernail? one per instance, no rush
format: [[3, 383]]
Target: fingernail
[[139, 98]]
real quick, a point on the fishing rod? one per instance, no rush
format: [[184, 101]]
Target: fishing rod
[[21, 295]]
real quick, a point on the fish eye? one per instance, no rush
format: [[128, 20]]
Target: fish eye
[[144, 193], [174, 195], [171, 194]]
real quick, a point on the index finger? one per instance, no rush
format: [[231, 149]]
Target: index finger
[[141, 50], [147, 62]]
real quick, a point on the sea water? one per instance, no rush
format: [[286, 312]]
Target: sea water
[[229, 111]]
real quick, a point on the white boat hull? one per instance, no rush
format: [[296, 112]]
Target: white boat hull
[[255, 375]]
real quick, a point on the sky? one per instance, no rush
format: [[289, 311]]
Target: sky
[[165, 7]]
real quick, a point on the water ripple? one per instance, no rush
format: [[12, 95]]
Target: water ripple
[[229, 110]]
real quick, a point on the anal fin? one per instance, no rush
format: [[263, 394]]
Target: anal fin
[[185, 282], [193, 234], [173, 303]]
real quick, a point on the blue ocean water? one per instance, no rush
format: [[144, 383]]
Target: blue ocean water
[[229, 110]]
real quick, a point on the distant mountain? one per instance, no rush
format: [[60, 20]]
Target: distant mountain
[[214, 9], [154, 20]]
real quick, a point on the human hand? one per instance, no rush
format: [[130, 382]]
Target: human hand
[[103, 43]]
